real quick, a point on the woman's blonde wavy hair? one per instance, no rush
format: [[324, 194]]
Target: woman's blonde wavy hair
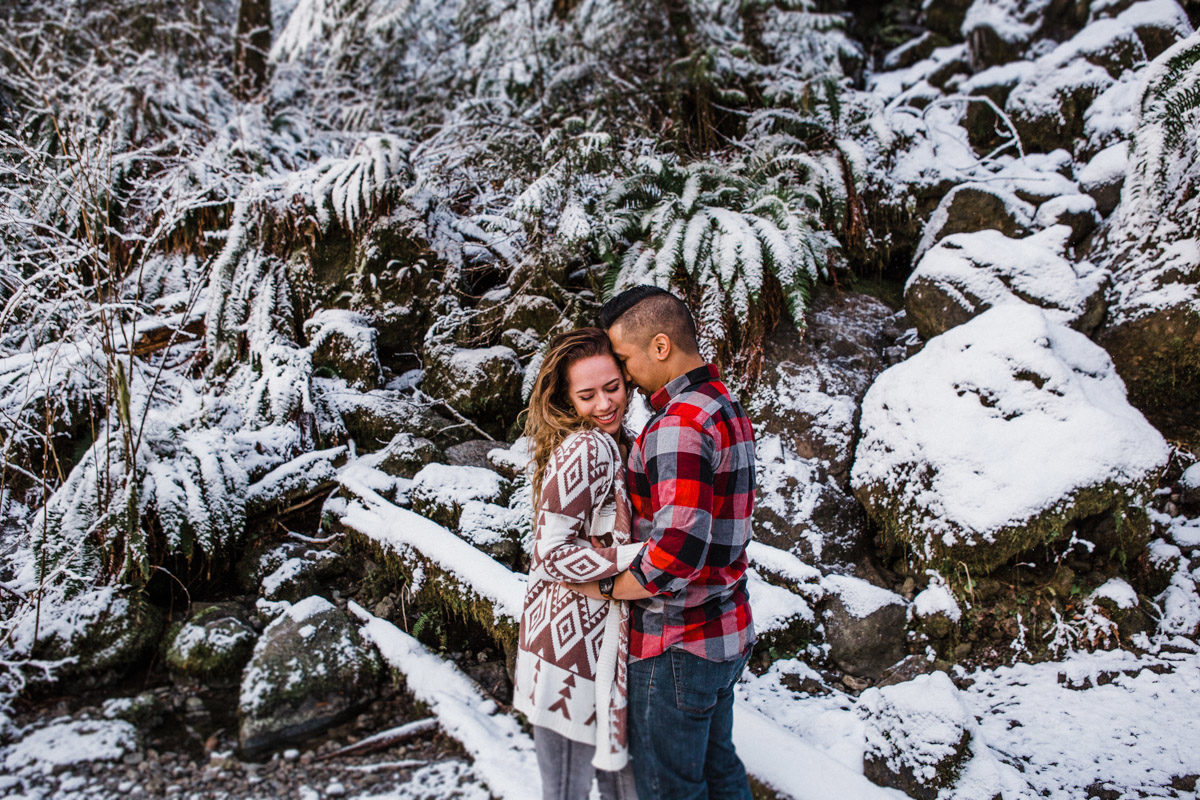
[[551, 417]]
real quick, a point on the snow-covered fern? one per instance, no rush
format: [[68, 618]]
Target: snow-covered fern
[[1164, 147], [737, 240]]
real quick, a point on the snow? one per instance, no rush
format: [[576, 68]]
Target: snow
[[986, 268], [1106, 167], [456, 485], [1126, 730], [1191, 477], [71, 742], [774, 755], [781, 563], [997, 421], [917, 725], [1118, 591], [403, 530], [860, 598], [936, 599], [503, 754], [446, 780]]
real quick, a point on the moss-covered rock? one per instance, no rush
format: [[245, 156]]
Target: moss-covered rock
[[211, 646], [482, 383], [405, 455], [309, 669], [346, 344], [440, 491], [104, 631]]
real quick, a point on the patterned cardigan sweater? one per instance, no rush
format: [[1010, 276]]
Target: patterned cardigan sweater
[[573, 649]]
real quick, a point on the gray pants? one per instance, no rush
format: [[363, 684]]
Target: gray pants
[[567, 770]]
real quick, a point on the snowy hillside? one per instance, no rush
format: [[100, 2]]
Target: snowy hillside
[[276, 277]]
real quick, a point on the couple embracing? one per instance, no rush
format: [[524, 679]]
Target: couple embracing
[[636, 624]]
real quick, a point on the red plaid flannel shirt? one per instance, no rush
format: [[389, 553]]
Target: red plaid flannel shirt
[[691, 484]]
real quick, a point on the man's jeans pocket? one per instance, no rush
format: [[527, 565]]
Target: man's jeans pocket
[[699, 682]]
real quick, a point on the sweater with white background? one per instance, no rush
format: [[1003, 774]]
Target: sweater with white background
[[573, 650]]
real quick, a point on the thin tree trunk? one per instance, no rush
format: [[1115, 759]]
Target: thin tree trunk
[[252, 45]]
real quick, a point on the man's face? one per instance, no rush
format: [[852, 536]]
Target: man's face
[[637, 360]]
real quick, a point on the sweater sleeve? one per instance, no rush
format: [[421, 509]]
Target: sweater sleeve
[[578, 479]]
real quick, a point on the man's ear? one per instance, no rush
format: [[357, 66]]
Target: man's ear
[[660, 346]]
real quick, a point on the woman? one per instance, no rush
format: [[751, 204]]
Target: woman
[[570, 673]]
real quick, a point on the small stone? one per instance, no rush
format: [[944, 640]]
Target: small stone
[[291, 754], [335, 789], [855, 684]]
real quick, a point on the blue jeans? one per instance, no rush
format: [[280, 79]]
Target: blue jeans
[[681, 728]]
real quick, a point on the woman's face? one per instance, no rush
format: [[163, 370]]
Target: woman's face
[[596, 389]]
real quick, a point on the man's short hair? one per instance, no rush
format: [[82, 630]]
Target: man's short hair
[[644, 311]]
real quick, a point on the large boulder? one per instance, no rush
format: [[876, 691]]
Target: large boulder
[[944, 16], [102, 632], [1048, 107], [212, 645], [1005, 433], [864, 625], [918, 735], [310, 668], [372, 419], [483, 383], [441, 491], [972, 207], [1157, 23], [344, 343], [968, 273]]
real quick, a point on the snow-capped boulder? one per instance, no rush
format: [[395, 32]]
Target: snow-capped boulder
[[301, 477], [1189, 485], [483, 383], [1123, 606], [371, 418], [212, 645], [441, 491], [530, 312], [1048, 106], [345, 343], [973, 207], [304, 570], [998, 434], [405, 455], [864, 625], [1157, 23], [1104, 175], [968, 273], [999, 31], [310, 667], [1077, 211], [104, 629], [918, 735]]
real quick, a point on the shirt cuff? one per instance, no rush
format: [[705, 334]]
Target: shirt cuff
[[626, 553]]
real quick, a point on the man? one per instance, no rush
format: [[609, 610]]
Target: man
[[691, 484]]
